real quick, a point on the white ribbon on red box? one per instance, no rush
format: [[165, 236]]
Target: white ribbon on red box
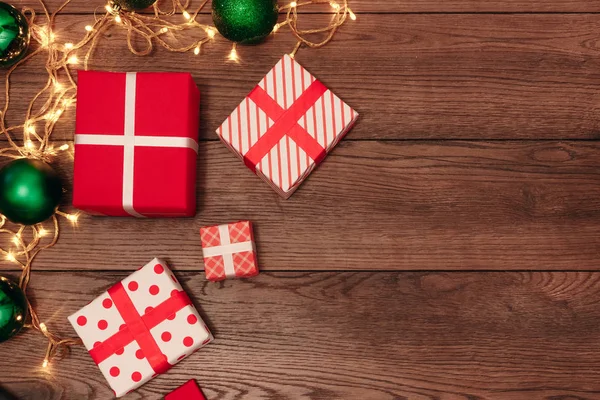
[[227, 250], [130, 141]]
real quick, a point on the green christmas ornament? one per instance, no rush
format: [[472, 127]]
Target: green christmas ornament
[[14, 35], [30, 191], [13, 309], [134, 5], [245, 21]]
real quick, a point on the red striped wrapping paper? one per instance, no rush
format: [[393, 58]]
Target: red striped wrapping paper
[[285, 127]]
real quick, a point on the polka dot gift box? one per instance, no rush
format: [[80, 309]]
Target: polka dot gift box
[[229, 251], [286, 126], [140, 327]]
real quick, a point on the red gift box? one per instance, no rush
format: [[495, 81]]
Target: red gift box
[[229, 251], [286, 126], [136, 144], [187, 391]]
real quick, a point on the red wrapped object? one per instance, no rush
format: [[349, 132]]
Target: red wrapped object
[[140, 327], [229, 251], [286, 126], [136, 144], [187, 391]]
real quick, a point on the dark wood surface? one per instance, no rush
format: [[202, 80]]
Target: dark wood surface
[[354, 335], [476, 153]]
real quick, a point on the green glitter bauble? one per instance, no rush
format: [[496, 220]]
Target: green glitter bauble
[[14, 35], [30, 191], [245, 21], [13, 309], [134, 5]]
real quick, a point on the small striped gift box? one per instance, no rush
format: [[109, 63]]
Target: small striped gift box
[[229, 251], [286, 126]]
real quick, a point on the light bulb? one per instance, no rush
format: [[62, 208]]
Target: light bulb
[[89, 28], [352, 15], [16, 239], [186, 15], [210, 32], [233, 54], [164, 30], [118, 19], [73, 59], [42, 232], [293, 4], [10, 257], [197, 50], [335, 5], [64, 147], [68, 46]]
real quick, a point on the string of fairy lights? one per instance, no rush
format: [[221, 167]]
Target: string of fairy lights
[[59, 94]]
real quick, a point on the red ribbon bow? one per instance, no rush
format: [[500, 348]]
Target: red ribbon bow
[[137, 327], [286, 122]]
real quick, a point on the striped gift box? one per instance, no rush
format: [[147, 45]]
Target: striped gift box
[[286, 126]]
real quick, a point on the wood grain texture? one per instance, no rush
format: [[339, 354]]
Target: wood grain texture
[[410, 76], [393, 6], [377, 206], [326, 336]]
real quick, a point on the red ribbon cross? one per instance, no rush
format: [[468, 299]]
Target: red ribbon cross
[[286, 122], [137, 327]]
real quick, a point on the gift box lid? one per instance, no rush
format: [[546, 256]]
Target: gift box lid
[[136, 143], [286, 126]]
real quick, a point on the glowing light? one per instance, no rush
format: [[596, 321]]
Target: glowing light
[[197, 50], [68, 46], [164, 30], [19, 317], [109, 8], [43, 327], [352, 15], [186, 15], [10, 257], [210, 32], [73, 217], [29, 144], [29, 128], [233, 56], [73, 59], [42, 232], [275, 28], [89, 28], [67, 102], [63, 148], [16, 239], [335, 5], [118, 19], [58, 86], [293, 4], [45, 363]]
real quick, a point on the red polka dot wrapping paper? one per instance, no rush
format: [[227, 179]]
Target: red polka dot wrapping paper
[[136, 144], [229, 251], [140, 327], [288, 123]]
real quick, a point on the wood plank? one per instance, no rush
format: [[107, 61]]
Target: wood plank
[[392, 6], [493, 336], [410, 76], [378, 206]]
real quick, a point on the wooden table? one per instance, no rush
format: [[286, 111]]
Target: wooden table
[[445, 250]]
